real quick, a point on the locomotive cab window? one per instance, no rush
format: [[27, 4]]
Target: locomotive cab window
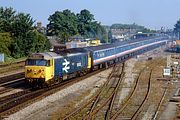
[[48, 63], [37, 62]]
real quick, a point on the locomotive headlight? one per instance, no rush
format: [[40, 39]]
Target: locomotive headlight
[[29, 70], [42, 76], [40, 71]]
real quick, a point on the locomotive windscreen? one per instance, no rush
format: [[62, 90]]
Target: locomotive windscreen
[[36, 62]]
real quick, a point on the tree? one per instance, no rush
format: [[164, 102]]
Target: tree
[[21, 27], [177, 28], [5, 42], [32, 42], [62, 24], [35, 42], [22, 24], [66, 24], [20, 38], [88, 27], [15, 47], [85, 19], [6, 18], [42, 42], [127, 26]]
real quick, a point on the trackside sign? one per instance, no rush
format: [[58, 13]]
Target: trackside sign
[[167, 72], [1, 57]]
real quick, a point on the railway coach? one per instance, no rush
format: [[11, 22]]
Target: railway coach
[[103, 56], [43, 69]]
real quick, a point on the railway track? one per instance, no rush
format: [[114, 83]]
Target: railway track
[[109, 101], [17, 101], [93, 106], [4, 68], [155, 116], [8, 98], [8, 92], [135, 115], [11, 78], [12, 82], [11, 85], [15, 80], [14, 63], [104, 98], [129, 105], [107, 105]]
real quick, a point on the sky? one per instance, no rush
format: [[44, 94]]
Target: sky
[[150, 13]]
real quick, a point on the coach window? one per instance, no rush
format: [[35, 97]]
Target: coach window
[[95, 54], [120, 49], [109, 51]]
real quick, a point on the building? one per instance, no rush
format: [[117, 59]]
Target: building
[[93, 42], [122, 34], [40, 28], [173, 64], [78, 43]]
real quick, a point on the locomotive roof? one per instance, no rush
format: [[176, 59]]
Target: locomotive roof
[[70, 52], [45, 55]]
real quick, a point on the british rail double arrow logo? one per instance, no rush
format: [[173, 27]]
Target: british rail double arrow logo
[[66, 67]]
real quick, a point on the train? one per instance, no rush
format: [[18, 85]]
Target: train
[[45, 69]]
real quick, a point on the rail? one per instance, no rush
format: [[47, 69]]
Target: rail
[[93, 109]]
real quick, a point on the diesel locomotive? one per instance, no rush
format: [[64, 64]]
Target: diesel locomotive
[[44, 69]]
